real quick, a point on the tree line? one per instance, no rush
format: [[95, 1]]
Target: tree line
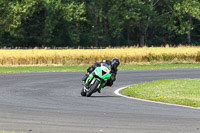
[[99, 23]]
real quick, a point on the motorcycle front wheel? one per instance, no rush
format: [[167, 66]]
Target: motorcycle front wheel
[[92, 88]]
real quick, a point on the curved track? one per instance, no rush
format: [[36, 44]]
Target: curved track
[[51, 103]]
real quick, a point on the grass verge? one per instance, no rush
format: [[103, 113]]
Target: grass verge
[[6, 132], [157, 66], [18, 69], [176, 91]]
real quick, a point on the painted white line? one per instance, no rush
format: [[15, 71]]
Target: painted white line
[[117, 92]]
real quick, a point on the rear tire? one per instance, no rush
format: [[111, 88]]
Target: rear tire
[[93, 88]]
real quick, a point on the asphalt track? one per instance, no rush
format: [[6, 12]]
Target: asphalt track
[[51, 103]]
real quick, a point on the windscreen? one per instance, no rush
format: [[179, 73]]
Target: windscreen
[[105, 65]]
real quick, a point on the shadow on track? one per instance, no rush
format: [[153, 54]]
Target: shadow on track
[[102, 96]]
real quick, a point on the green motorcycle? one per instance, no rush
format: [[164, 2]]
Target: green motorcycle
[[96, 80]]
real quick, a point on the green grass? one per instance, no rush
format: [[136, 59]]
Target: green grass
[[159, 66], [41, 69], [176, 91], [17, 69], [6, 132]]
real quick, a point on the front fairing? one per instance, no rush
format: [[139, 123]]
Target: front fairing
[[103, 75], [106, 76], [89, 78]]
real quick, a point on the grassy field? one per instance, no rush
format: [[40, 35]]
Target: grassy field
[[176, 91], [18, 69], [88, 56], [6, 132]]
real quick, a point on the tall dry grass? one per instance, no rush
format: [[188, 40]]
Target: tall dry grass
[[89, 56]]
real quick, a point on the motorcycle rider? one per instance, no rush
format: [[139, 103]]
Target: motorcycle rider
[[114, 63]]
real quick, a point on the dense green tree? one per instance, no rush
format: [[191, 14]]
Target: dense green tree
[[123, 18], [100, 23], [186, 11], [35, 22]]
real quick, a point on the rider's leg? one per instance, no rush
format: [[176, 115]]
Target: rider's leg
[[85, 77], [89, 70]]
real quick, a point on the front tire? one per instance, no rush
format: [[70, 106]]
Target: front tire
[[92, 88]]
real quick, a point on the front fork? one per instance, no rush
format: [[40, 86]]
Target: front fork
[[90, 80]]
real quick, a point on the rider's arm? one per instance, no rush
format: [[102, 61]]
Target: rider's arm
[[113, 74], [91, 69]]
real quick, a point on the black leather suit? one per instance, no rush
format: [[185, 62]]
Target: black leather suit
[[113, 71]]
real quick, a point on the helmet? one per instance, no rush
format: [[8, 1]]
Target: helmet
[[115, 63]]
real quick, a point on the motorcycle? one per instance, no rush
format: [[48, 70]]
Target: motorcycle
[[96, 80]]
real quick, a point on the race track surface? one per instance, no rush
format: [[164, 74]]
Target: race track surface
[[51, 103]]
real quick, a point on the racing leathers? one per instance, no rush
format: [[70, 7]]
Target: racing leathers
[[97, 64]]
